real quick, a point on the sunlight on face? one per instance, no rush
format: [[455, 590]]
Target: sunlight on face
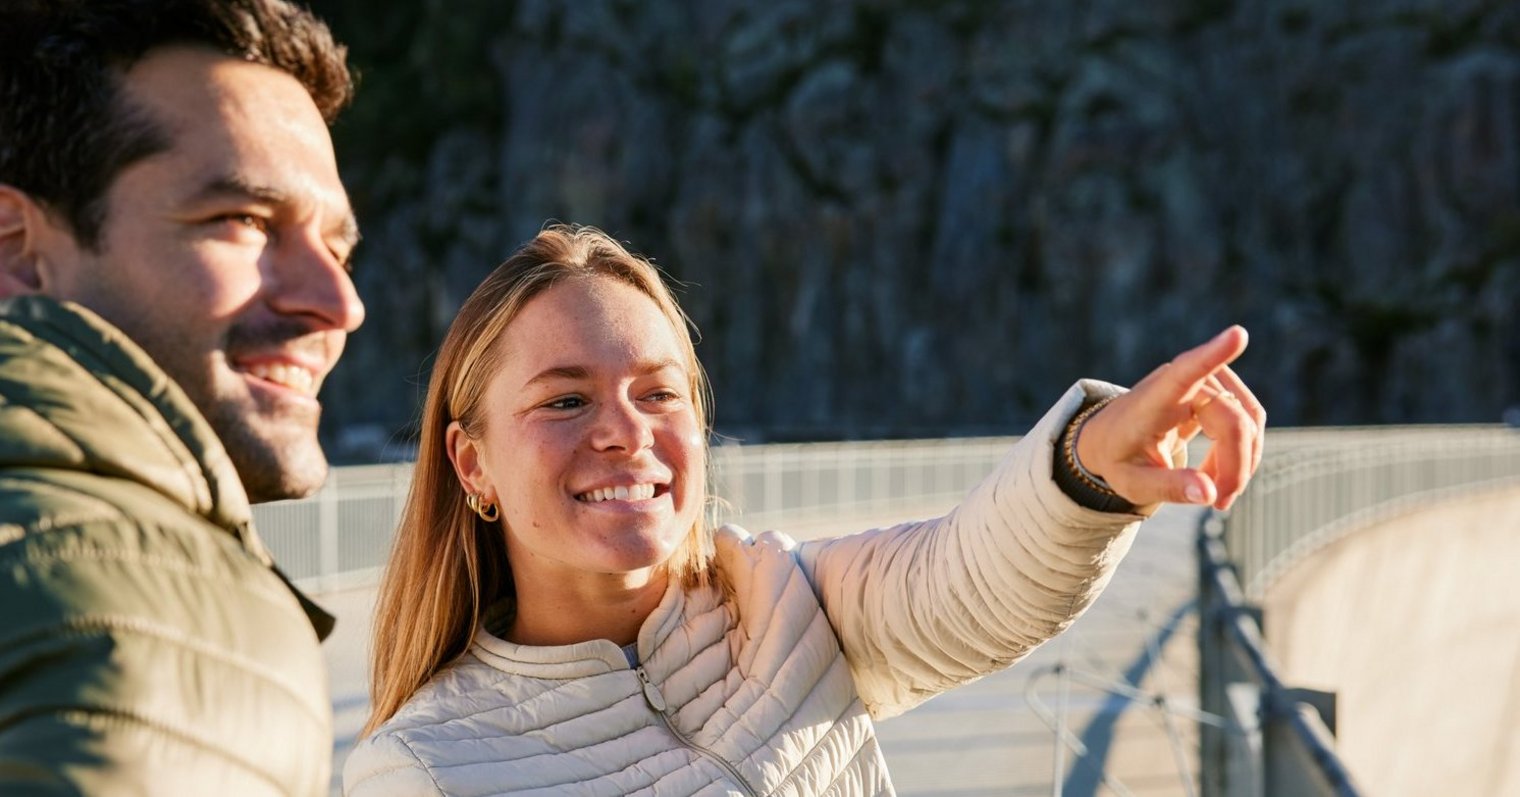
[[224, 257], [592, 444]]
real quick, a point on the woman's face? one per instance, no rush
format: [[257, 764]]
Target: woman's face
[[591, 442]]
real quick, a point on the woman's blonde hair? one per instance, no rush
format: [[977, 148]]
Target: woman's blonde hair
[[447, 566]]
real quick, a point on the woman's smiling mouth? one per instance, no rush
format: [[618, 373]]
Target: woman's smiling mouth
[[634, 492]]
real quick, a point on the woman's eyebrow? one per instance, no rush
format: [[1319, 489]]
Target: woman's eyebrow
[[581, 372], [559, 372]]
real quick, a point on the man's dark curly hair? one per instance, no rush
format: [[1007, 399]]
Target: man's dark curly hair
[[66, 130]]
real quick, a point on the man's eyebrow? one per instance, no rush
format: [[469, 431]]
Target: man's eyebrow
[[348, 231], [233, 185], [236, 186]]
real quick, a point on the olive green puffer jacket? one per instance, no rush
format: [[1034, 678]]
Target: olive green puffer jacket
[[147, 645]]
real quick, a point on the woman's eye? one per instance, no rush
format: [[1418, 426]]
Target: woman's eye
[[663, 396], [567, 403]]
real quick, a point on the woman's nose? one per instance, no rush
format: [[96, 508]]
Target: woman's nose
[[621, 426]]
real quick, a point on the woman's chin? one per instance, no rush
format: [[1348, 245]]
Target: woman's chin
[[644, 563]]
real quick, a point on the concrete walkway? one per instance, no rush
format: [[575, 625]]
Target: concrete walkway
[[996, 736]]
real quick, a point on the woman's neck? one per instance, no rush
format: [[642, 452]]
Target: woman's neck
[[567, 611]]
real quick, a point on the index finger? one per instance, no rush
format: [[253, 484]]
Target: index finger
[[1187, 372]]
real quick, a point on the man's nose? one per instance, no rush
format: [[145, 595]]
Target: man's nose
[[310, 280]]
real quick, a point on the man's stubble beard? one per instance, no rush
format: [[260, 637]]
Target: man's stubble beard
[[274, 448], [273, 463]]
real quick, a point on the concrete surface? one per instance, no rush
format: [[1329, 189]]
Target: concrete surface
[[1415, 624]]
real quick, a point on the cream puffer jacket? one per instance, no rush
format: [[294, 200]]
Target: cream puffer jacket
[[768, 685]]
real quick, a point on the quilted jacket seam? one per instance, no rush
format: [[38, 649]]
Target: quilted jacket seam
[[95, 623], [454, 764], [834, 727], [98, 716], [178, 565], [834, 783], [564, 684], [817, 682], [413, 753], [695, 654], [186, 460]]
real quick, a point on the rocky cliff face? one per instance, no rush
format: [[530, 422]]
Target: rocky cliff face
[[899, 217]]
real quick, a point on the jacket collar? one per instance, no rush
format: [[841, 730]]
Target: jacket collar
[[592, 657], [87, 398], [106, 407]]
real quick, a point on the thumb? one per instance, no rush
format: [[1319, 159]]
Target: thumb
[[1145, 484]]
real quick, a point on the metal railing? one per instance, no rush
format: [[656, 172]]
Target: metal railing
[[1276, 740], [1315, 488], [1321, 485], [808, 484], [340, 537]]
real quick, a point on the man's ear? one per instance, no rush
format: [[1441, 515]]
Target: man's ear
[[464, 453], [19, 217]]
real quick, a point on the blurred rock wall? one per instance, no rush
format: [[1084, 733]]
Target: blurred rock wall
[[927, 218]]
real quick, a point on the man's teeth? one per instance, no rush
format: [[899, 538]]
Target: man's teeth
[[291, 376], [638, 492]]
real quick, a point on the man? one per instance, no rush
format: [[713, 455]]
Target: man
[[174, 242]]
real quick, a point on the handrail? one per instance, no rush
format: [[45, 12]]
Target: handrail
[[1314, 489], [1320, 487], [340, 538], [1225, 608]]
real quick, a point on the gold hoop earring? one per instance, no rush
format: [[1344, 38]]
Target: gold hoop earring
[[487, 510]]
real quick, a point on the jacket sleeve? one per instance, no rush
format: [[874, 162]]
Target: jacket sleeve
[[125, 669], [924, 607], [384, 766], [49, 752]]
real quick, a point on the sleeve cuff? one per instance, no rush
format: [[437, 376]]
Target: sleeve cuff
[[1069, 475]]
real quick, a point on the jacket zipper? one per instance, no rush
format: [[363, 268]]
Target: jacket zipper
[[656, 702]]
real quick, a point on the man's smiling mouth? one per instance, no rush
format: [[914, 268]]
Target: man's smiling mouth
[[293, 377]]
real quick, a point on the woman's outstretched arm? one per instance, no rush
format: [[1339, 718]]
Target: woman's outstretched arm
[[923, 607]]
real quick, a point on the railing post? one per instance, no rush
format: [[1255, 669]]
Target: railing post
[[1244, 742], [1278, 740], [328, 566], [1322, 702], [1230, 756], [772, 500], [1289, 766], [1211, 672]]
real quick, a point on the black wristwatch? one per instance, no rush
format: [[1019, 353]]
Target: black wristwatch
[[1080, 485]]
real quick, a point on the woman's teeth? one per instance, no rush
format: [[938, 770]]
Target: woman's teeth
[[638, 492]]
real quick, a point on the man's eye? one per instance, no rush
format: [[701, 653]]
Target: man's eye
[[247, 220]]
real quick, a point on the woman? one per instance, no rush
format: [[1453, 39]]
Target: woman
[[558, 618]]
